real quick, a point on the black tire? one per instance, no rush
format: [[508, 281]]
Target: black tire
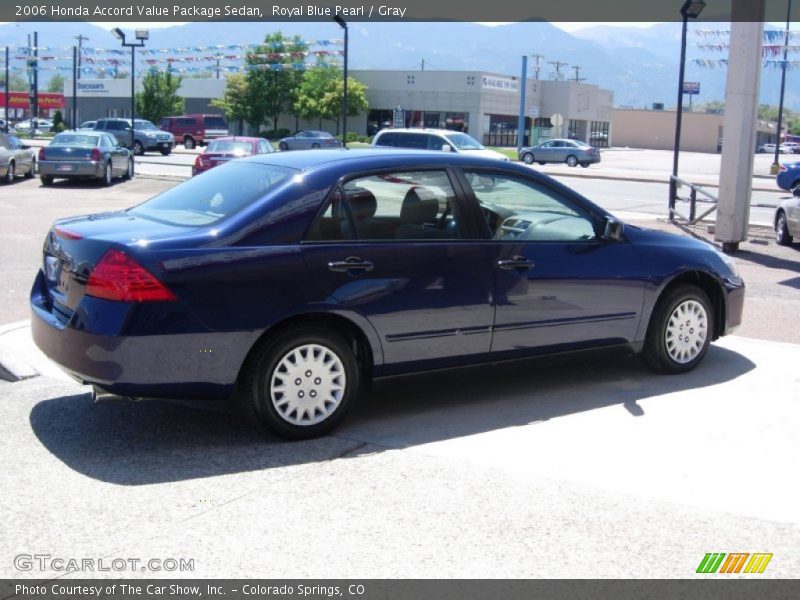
[[129, 171], [32, 172], [46, 179], [271, 358], [661, 347], [108, 175], [189, 143], [283, 146], [782, 235], [572, 161], [541, 162], [585, 165], [314, 146], [527, 158], [138, 148], [166, 151], [9, 178]]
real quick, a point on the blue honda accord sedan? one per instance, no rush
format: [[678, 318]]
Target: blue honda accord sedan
[[290, 280]]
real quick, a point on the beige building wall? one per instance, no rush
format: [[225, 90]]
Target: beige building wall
[[655, 130]]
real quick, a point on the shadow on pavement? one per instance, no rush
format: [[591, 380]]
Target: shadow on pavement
[[139, 443]]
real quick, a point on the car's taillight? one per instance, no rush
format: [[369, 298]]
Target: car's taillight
[[118, 277], [200, 161], [95, 154], [41, 153]]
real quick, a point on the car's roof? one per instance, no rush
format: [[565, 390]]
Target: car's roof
[[417, 130], [372, 157]]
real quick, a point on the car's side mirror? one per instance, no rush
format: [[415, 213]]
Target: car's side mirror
[[612, 229], [446, 148]]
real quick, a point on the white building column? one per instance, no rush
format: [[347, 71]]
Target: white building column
[[739, 129]]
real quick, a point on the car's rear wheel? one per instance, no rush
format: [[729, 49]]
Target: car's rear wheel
[[584, 165], [572, 161], [129, 170], [46, 179], [32, 171], [107, 177], [680, 330], [138, 148], [283, 146], [782, 235], [9, 178], [302, 383], [314, 146], [527, 158], [541, 162], [189, 143]]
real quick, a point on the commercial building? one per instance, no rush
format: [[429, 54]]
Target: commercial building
[[486, 105]]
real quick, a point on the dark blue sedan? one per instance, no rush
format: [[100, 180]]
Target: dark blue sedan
[[788, 177], [292, 279]]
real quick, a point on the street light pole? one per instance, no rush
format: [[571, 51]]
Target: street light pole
[[141, 36], [343, 24], [690, 9], [775, 165]]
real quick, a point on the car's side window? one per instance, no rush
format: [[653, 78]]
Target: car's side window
[[525, 210], [397, 206]]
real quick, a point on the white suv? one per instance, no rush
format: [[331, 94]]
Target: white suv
[[434, 139]]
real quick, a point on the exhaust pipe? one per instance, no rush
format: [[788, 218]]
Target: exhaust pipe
[[101, 395]]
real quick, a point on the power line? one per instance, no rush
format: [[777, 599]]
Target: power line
[[557, 64], [538, 66], [577, 69], [80, 39]]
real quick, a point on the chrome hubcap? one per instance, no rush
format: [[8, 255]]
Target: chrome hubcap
[[308, 384], [686, 333], [781, 226]]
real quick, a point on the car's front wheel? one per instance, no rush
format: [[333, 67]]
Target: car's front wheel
[[283, 146], [29, 174], [680, 330], [782, 235], [166, 151], [138, 148], [527, 158], [302, 383]]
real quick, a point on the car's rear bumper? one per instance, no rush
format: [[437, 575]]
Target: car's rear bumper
[[195, 364], [74, 168]]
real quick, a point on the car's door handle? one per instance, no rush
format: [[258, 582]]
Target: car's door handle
[[518, 263], [349, 264]]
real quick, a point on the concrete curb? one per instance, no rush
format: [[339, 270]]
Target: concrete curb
[[13, 367]]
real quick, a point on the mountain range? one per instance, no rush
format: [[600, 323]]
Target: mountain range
[[639, 64]]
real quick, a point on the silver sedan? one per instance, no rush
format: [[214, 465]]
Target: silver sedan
[[787, 220], [572, 152], [309, 140], [15, 158]]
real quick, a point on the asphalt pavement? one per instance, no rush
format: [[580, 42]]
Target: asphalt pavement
[[589, 467]]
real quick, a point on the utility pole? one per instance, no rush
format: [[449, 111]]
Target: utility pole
[[80, 39], [423, 65], [538, 65], [557, 64], [577, 70]]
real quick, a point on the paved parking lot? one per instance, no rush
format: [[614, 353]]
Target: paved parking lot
[[588, 468]]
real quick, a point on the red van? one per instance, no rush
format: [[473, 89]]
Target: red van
[[193, 130]]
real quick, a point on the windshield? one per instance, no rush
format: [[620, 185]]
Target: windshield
[[230, 147], [214, 196], [462, 141], [74, 139], [145, 125]]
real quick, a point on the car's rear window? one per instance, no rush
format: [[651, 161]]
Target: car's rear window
[[230, 147], [215, 123], [73, 139], [213, 196]]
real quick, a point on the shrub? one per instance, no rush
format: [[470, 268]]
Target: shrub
[[274, 135]]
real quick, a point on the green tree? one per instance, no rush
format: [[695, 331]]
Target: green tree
[[272, 76], [236, 102], [16, 82], [321, 93], [159, 96], [56, 84]]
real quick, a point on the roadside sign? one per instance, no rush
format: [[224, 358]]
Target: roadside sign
[[691, 87]]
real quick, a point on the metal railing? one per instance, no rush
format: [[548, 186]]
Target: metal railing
[[675, 184]]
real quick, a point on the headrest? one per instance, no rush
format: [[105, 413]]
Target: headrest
[[419, 206], [362, 202]]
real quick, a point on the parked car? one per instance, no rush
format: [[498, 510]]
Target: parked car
[[788, 177], [41, 126], [572, 152], [291, 280], [787, 218], [309, 140], [88, 125], [222, 150], [434, 139], [195, 130], [16, 158], [791, 147], [84, 155], [769, 148], [146, 136]]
